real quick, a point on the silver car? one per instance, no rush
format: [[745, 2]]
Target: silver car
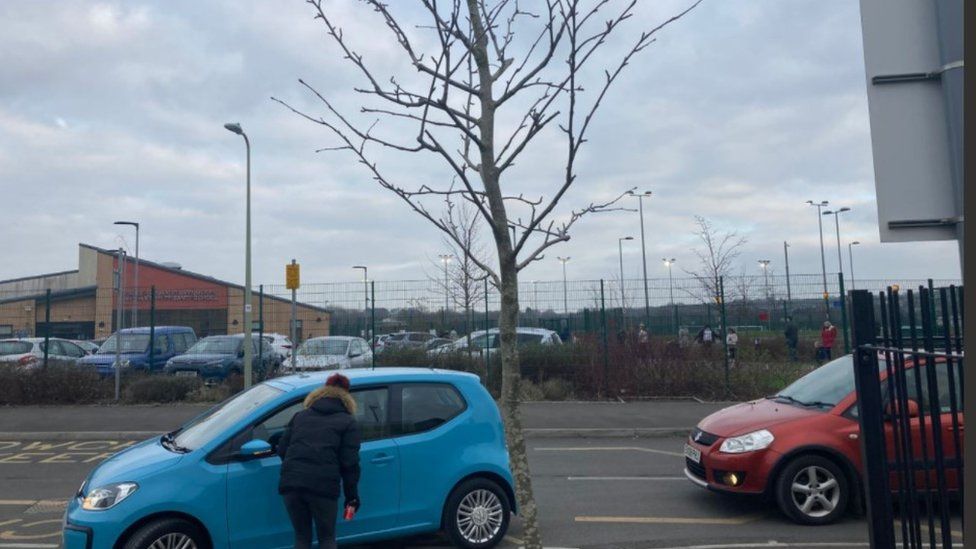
[[332, 353], [29, 352]]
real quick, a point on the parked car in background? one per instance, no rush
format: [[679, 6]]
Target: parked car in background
[[438, 342], [801, 447], [333, 353], [379, 342], [476, 342], [29, 352], [281, 344], [90, 347], [433, 458], [216, 358], [136, 353], [407, 340]]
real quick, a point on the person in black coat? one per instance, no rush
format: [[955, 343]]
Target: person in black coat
[[320, 449]]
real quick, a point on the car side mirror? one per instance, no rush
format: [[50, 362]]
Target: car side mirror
[[894, 408], [255, 449]]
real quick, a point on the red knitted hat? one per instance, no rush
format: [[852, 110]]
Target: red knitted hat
[[338, 380]]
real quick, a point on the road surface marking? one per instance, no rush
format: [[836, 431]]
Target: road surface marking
[[735, 521], [13, 535], [17, 501], [772, 543], [626, 478], [28, 546], [611, 449]]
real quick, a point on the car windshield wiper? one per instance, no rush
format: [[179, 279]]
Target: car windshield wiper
[[169, 442], [817, 403]]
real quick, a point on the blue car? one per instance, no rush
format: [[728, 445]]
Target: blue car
[[135, 355], [216, 358], [433, 458]]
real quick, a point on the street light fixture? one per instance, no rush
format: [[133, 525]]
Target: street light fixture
[[647, 299], [836, 214], [823, 260], [674, 312], [764, 263], [620, 253], [248, 328], [850, 254], [135, 300], [564, 260]]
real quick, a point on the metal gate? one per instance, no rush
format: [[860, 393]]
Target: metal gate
[[911, 415]]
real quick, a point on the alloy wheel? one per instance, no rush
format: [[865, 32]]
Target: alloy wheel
[[480, 516], [815, 491], [174, 541]]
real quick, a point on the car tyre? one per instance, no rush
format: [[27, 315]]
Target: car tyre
[[812, 490], [477, 514], [170, 532]]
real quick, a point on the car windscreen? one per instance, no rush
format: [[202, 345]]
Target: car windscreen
[[216, 345], [15, 347], [131, 343], [827, 385], [325, 347], [216, 422]]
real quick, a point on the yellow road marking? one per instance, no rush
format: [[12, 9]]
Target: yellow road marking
[[17, 501], [938, 529], [12, 535], [611, 449], [735, 521]]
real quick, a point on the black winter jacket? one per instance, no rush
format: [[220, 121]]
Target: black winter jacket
[[320, 447]]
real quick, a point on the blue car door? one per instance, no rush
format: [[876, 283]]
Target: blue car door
[[379, 459]]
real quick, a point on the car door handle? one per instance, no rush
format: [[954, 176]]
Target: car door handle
[[382, 458]]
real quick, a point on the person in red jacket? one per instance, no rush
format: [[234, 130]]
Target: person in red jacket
[[827, 336]]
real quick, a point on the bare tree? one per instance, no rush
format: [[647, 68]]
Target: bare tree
[[476, 66], [716, 257], [464, 284]]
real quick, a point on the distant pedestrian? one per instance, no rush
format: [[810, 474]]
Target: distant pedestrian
[[682, 336], [732, 342], [828, 334], [706, 336], [642, 336], [792, 337], [319, 452]]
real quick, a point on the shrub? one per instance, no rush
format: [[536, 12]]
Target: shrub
[[556, 389], [161, 389], [58, 383], [529, 391]]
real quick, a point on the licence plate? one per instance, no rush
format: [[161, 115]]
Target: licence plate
[[694, 454], [186, 373]]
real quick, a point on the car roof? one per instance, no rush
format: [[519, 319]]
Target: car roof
[[158, 329], [343, 338], [368, 375], [32, 339]]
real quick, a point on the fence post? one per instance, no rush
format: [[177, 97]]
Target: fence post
[[843, 313], [867, 383], [152, 326], [260, 321], [606, 350], [725, 340], [486, 332], [372, 321], [47, 324]]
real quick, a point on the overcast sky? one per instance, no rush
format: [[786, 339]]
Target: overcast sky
[[739, 112]]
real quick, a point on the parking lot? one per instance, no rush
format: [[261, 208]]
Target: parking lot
[[593, 490]]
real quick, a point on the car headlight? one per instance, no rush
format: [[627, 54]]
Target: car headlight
[[756, 440], [124, 364], [106, 497]]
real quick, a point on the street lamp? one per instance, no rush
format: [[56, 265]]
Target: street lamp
[[445, 259], [647, 299], [823, 261], [850, 254], [564, 260], [248, 329], [366, 294], [836, 214], [620, 250], [764, 263], [674, 312], [135, 300], [789, 292]]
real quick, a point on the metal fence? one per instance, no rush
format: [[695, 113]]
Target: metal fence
[[911, 415]]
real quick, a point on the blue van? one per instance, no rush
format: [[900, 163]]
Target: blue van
[[433, 458], [169, 342]]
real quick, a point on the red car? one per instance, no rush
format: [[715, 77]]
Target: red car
[[801, 447]]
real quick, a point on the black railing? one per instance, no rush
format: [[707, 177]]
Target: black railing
[[911, 415]]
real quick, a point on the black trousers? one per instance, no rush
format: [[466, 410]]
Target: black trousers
[[304, 509]]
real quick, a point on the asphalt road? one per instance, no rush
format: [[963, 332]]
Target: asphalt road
[[592, 492]]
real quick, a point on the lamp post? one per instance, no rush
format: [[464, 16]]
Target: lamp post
[[764, 263], [620, 253], [836, 214], [135, 287], [647, 299], [850, 257], [445, 259], [248, 344], [365, 293], [823, 260], [564, 260], [674, 312], [789, 292]]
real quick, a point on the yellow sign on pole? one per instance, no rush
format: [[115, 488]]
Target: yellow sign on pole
[[292, 277]]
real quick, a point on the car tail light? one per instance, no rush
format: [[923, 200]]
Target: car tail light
[[28, 360]]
